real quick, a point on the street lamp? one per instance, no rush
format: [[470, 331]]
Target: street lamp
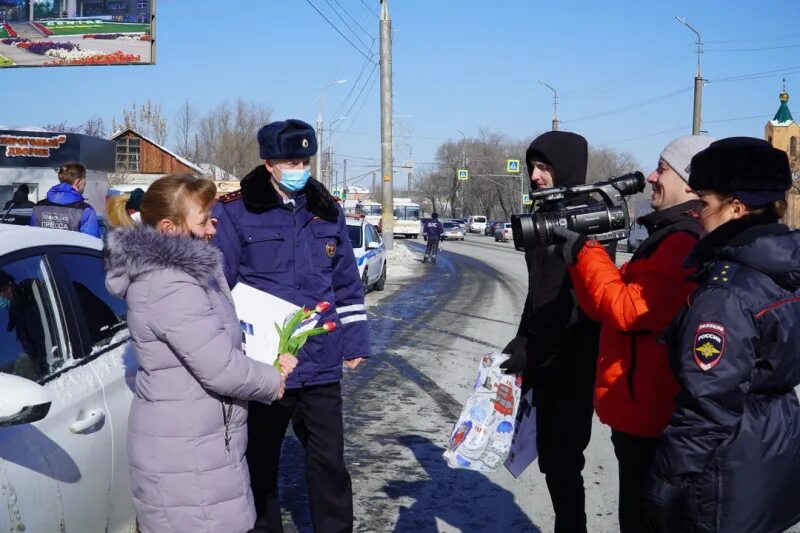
[[319, 124], [330, 147], [555, 106], [463, 164], [698, 81]]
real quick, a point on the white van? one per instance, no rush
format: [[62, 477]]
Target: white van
[[476, 224]]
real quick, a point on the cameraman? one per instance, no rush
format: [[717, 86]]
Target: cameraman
[[635, 390], [556, 345]]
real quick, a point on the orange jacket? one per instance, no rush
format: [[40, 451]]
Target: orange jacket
[[635, 388]]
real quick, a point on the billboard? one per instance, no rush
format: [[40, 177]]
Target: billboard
[[45, 33]]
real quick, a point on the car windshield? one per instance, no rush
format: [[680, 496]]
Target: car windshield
[[354, 232], [450, 225]]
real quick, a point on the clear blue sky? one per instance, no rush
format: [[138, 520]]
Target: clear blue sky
[[457, 64]]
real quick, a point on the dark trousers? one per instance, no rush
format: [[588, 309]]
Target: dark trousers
[[563, 393], [432, 248], [635, 457], [316, 416]]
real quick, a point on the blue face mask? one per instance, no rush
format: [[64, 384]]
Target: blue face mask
[[294, 180], [5, 303]]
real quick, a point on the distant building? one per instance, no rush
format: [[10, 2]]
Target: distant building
[[783, 132], [140, 160]]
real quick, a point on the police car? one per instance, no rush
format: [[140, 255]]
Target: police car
[[370, 252], [66, 385]]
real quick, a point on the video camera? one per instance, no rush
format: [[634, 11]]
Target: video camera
[[608, 221]]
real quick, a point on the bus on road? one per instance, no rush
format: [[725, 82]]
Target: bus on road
[[406, 218]]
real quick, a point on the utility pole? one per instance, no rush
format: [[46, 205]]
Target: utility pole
[[372, 189], [344, 184], [387, 220], [698, 82], [320, 138], [555, 106]]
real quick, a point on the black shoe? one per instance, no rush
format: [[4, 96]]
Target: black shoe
[[424, 259]]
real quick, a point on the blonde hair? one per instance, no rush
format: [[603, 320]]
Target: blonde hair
[[116, 212], [71, 172], [166, 198]]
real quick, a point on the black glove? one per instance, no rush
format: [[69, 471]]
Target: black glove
[[518, 350], [569, 245]]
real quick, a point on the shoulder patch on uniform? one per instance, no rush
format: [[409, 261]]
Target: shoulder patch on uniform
[[723, 273], [709, 344], [231, 196]]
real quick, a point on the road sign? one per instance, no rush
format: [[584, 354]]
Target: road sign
[[526, 199], [463, 174], [512, 165], [337, 193]]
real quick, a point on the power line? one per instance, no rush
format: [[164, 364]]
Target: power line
[[354, 20], [630, 107], [340, 33], [757, 75], [752, 49], [353, 87], [366, 46], [758, 39], [370, 9]]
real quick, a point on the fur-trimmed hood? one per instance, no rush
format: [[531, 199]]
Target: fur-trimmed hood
[[132, 252], [259, 195]]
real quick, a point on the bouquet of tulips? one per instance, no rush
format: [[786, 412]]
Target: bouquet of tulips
[[290, 340]]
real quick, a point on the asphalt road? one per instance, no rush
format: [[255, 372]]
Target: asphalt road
[[400, 407]]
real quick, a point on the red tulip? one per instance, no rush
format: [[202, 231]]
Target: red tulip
[[329, 326], [322, 307]]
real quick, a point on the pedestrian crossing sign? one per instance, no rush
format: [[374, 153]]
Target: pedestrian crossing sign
[[512, 165], [463, 174], [526, 199]]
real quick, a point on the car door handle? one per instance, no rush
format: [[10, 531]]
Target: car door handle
[[89, 422]]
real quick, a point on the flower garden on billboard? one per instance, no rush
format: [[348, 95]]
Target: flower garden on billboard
[[75, 42]]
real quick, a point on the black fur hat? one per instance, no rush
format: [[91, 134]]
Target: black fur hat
[[749, 168], [287, 139]]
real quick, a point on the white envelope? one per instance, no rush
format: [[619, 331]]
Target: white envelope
[[258, 312]]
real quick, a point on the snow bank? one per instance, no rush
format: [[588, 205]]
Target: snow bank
[[401, 261]]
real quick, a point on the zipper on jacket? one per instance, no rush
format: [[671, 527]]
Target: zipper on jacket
[[226, 420], [632, 369]]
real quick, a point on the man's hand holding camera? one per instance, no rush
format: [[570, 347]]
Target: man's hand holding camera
[[568, 244]]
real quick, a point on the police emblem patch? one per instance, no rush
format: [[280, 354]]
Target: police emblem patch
[[305, 143], [330, 249], [709, 344]]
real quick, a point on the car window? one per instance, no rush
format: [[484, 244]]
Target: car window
[[104, 315], [372, 235], [33, 339], [354, 232]]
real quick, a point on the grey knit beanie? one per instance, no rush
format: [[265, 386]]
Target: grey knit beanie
[[679, 153]]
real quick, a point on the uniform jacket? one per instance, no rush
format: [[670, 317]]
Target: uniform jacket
[[552, 321], [634, 389], [729, 461], [64, 203], [302, 254], [433, 229], [192, 385]]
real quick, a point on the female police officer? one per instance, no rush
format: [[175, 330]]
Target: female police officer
[[285, 234], [730, 458]]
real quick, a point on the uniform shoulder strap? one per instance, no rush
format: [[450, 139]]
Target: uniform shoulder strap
[[231, 196]]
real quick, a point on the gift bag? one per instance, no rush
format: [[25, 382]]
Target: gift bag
[[523, 445], [481, 438]]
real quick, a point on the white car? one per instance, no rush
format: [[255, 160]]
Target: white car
[[502, 232], [370, 252], [476, 224], [66, 379]]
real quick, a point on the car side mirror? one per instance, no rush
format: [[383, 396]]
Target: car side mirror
[[22, 401], [373, 245]]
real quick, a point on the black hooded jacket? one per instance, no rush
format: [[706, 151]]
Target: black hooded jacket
[[552, 321]]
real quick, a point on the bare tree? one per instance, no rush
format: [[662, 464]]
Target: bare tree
[[94, 126], [146, 120], [184, 130], [227, 136]]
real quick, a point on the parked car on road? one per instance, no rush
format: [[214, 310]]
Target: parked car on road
[[66, 385], [490, 226], [370, 252], [453, 231], [502, 232], [476, 224]]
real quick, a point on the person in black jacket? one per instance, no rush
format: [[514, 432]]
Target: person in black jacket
[[729, 461], [556, 345], [433, 232], [20, 199]]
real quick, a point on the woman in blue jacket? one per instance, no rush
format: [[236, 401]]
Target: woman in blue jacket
[[730, 458]]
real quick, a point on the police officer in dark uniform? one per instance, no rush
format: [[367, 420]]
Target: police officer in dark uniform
[[285, 234], [729, 461], [433, 232]]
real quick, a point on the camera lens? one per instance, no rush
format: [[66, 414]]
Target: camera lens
[[629, 183]]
